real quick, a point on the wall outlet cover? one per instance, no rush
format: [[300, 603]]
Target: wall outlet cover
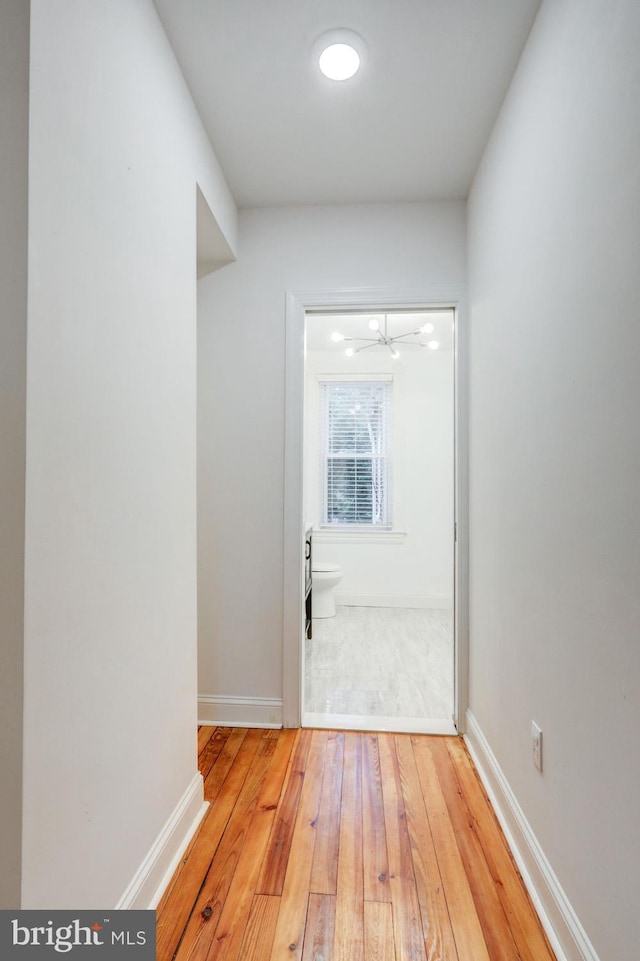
[[536, 739]]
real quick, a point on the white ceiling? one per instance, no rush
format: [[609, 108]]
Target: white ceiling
[[410, 126]]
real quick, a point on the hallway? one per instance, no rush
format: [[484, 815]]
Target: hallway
[[180, 186]]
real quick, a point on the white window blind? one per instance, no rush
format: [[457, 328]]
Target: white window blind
[[355, 453]]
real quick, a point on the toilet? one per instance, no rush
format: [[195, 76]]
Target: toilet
[[324, 579]]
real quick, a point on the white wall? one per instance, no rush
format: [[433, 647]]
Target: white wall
[[14, 102], [241, 404], [554, 250], [116, 149], [416, 571]]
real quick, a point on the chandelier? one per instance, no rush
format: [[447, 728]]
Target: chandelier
[[383, 339]]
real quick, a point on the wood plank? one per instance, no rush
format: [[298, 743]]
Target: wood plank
[[226, 940], [525, 926], [319, 928], [180, 902], [349, 930], [436, 924], [378, 931], [201, 926], [289, 935], [407, 921], [204, 733], [398, 841], [224, 762], [276, 775], [235, 912], [375, 859], [274, 866], [261, 926], [324, 870], [497, 934], [465, 923], [212, 750]]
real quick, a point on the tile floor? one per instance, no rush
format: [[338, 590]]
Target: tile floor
[[377, 664]]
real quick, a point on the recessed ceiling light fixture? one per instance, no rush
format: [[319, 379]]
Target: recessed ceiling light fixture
[[339, 54], [339, 61]]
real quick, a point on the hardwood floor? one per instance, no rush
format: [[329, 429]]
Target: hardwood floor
[[342, 846]]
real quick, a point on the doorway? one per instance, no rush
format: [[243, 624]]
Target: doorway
[[298, 304], [378, 495]]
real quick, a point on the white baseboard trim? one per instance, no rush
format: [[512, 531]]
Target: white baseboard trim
[[563, 928], [439, 602], [224, 711], [152, 877]]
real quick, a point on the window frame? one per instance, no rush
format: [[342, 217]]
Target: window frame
[[326, 381]]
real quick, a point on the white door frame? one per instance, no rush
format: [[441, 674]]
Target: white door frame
[[374, 299]]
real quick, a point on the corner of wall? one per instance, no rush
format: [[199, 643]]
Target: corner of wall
[[223, 711], [157, 868], [213, 248], [14, 163]]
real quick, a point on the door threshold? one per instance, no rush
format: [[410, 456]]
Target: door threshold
[[370, 722]]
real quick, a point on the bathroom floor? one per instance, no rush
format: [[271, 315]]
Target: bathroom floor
[[381, 668]]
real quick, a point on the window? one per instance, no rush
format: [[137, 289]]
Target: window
[[354, 453]]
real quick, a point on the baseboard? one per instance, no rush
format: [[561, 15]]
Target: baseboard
[[224, 711], [561, 923], [155, 872], [439, 602]]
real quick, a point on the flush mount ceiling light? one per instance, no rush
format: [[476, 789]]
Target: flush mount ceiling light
[[383, 339], [339, 61], [339, 54]]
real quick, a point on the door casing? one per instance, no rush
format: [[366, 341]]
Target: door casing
[[374, 299]]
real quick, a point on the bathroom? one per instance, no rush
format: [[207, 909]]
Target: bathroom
[[382, 521]]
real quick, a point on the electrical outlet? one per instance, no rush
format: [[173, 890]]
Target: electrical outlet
[[536, 740]]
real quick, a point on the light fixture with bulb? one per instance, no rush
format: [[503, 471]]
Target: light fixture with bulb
[[339, 54], [339, 61], [383, 338]]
